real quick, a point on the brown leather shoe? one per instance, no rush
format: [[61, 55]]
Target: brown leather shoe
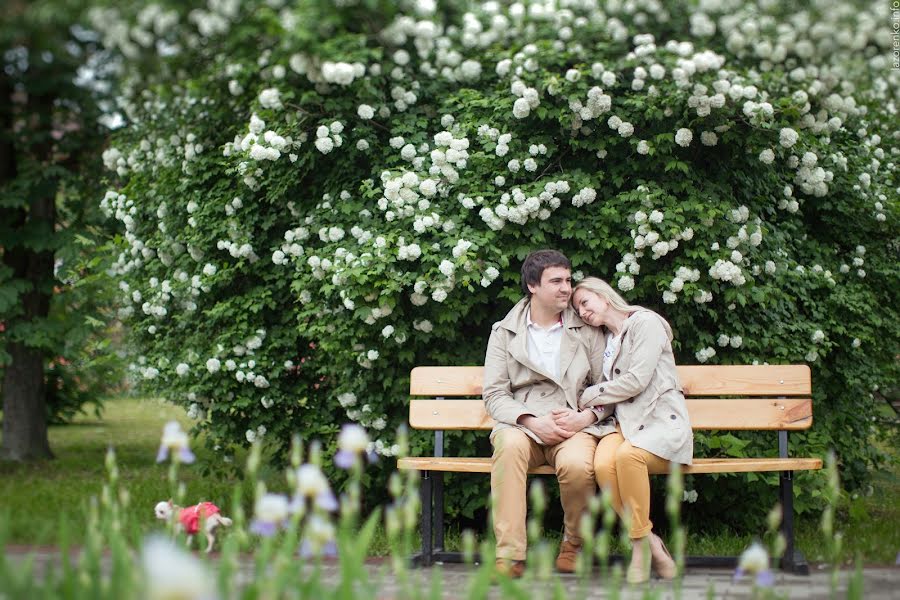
[[568, 557], [514, 569]]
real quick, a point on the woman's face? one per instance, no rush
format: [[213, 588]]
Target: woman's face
[[591, 307]]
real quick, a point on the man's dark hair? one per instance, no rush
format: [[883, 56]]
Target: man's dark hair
[[536, 262]]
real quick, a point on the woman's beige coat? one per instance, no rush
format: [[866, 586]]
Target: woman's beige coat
[[515, 386], [645, 390]]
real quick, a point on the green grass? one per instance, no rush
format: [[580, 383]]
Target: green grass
[[37, 497]]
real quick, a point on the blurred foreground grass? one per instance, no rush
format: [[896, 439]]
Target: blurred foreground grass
[[35, 499]]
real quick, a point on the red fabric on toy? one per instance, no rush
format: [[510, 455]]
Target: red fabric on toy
[[190, 516]]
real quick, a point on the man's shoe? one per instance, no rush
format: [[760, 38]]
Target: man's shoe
[[513, 569], [568, 557]]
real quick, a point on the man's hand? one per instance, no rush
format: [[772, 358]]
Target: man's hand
[[546, 429], [573, 420]]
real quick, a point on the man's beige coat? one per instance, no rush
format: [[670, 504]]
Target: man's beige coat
[[515, 386], [645, 390]]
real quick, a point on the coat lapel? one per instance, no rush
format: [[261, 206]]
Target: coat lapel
[[519, 351], [518, 324], [618, 351]]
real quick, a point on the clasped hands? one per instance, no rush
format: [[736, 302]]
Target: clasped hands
[[559, 425]]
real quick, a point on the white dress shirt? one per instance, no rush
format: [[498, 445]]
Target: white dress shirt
[[544, 345]]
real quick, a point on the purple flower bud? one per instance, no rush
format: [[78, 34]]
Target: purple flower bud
[[344, 459], [765, 579], [263, 528], [186, 456], [326, 501]]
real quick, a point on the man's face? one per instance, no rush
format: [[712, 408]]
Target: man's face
[[555, 289]]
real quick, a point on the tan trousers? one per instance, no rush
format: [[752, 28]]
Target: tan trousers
[[514, 454], [623, 472]]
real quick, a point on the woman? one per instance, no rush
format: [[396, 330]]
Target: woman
[[640, 379]]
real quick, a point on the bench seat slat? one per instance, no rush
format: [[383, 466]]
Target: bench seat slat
[[697, 380], [705, 413], [701, 465]]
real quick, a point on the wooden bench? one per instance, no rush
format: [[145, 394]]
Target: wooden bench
[[740, 397]]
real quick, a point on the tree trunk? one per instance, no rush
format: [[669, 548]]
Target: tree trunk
[[24, 393], [24, 410]]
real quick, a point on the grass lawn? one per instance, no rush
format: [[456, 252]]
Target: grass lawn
[[35, 498]]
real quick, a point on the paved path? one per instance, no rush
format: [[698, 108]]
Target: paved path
[[879, 582]]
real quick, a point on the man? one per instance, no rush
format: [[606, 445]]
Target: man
[[539, 359]]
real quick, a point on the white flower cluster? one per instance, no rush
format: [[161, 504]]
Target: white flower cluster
[[339, 73], [584, 196], [811, 179], [270, 98], [291, 246], [725, 270], [598, 103], [703, 103], [490, 274], [626, 283], [260, 145], [329, 137], [629, 263], [449, 155], [409, 252], [423, 325], [527, 100], [623, 128], [788, 137], [645, 237], [682, 276], [253, 435], [516, 207], [704, 354], [683, 137], [735, 341]]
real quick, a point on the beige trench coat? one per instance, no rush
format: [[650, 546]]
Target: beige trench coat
[[515, 386], [645, 390]]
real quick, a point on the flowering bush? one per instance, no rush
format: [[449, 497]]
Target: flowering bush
[[317, 197]]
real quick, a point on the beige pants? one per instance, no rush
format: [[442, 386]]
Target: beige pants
[[514, 454], [623, 472]]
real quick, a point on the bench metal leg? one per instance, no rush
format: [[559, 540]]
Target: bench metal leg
[[438, 511], [793, 560], [426, 558]]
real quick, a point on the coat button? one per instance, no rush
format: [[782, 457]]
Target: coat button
[[618, 371], [672, 417], [543, 394], [641, 427], [631, 401], [601, 390]]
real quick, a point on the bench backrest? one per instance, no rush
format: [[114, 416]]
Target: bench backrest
[[773, 397]]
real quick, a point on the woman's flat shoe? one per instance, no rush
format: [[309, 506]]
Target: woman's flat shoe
[[664, 566], [641, 560]]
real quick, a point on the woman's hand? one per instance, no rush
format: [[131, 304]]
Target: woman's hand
[[573, 420], [589, 394]]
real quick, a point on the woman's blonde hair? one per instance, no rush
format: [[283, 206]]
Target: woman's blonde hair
[[605, 291]]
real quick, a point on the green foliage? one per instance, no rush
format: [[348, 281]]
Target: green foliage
[[54, 293], [285, 264]]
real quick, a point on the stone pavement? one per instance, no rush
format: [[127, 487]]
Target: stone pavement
[[699, 583]]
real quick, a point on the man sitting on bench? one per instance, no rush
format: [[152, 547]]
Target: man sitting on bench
[[539, 359]]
